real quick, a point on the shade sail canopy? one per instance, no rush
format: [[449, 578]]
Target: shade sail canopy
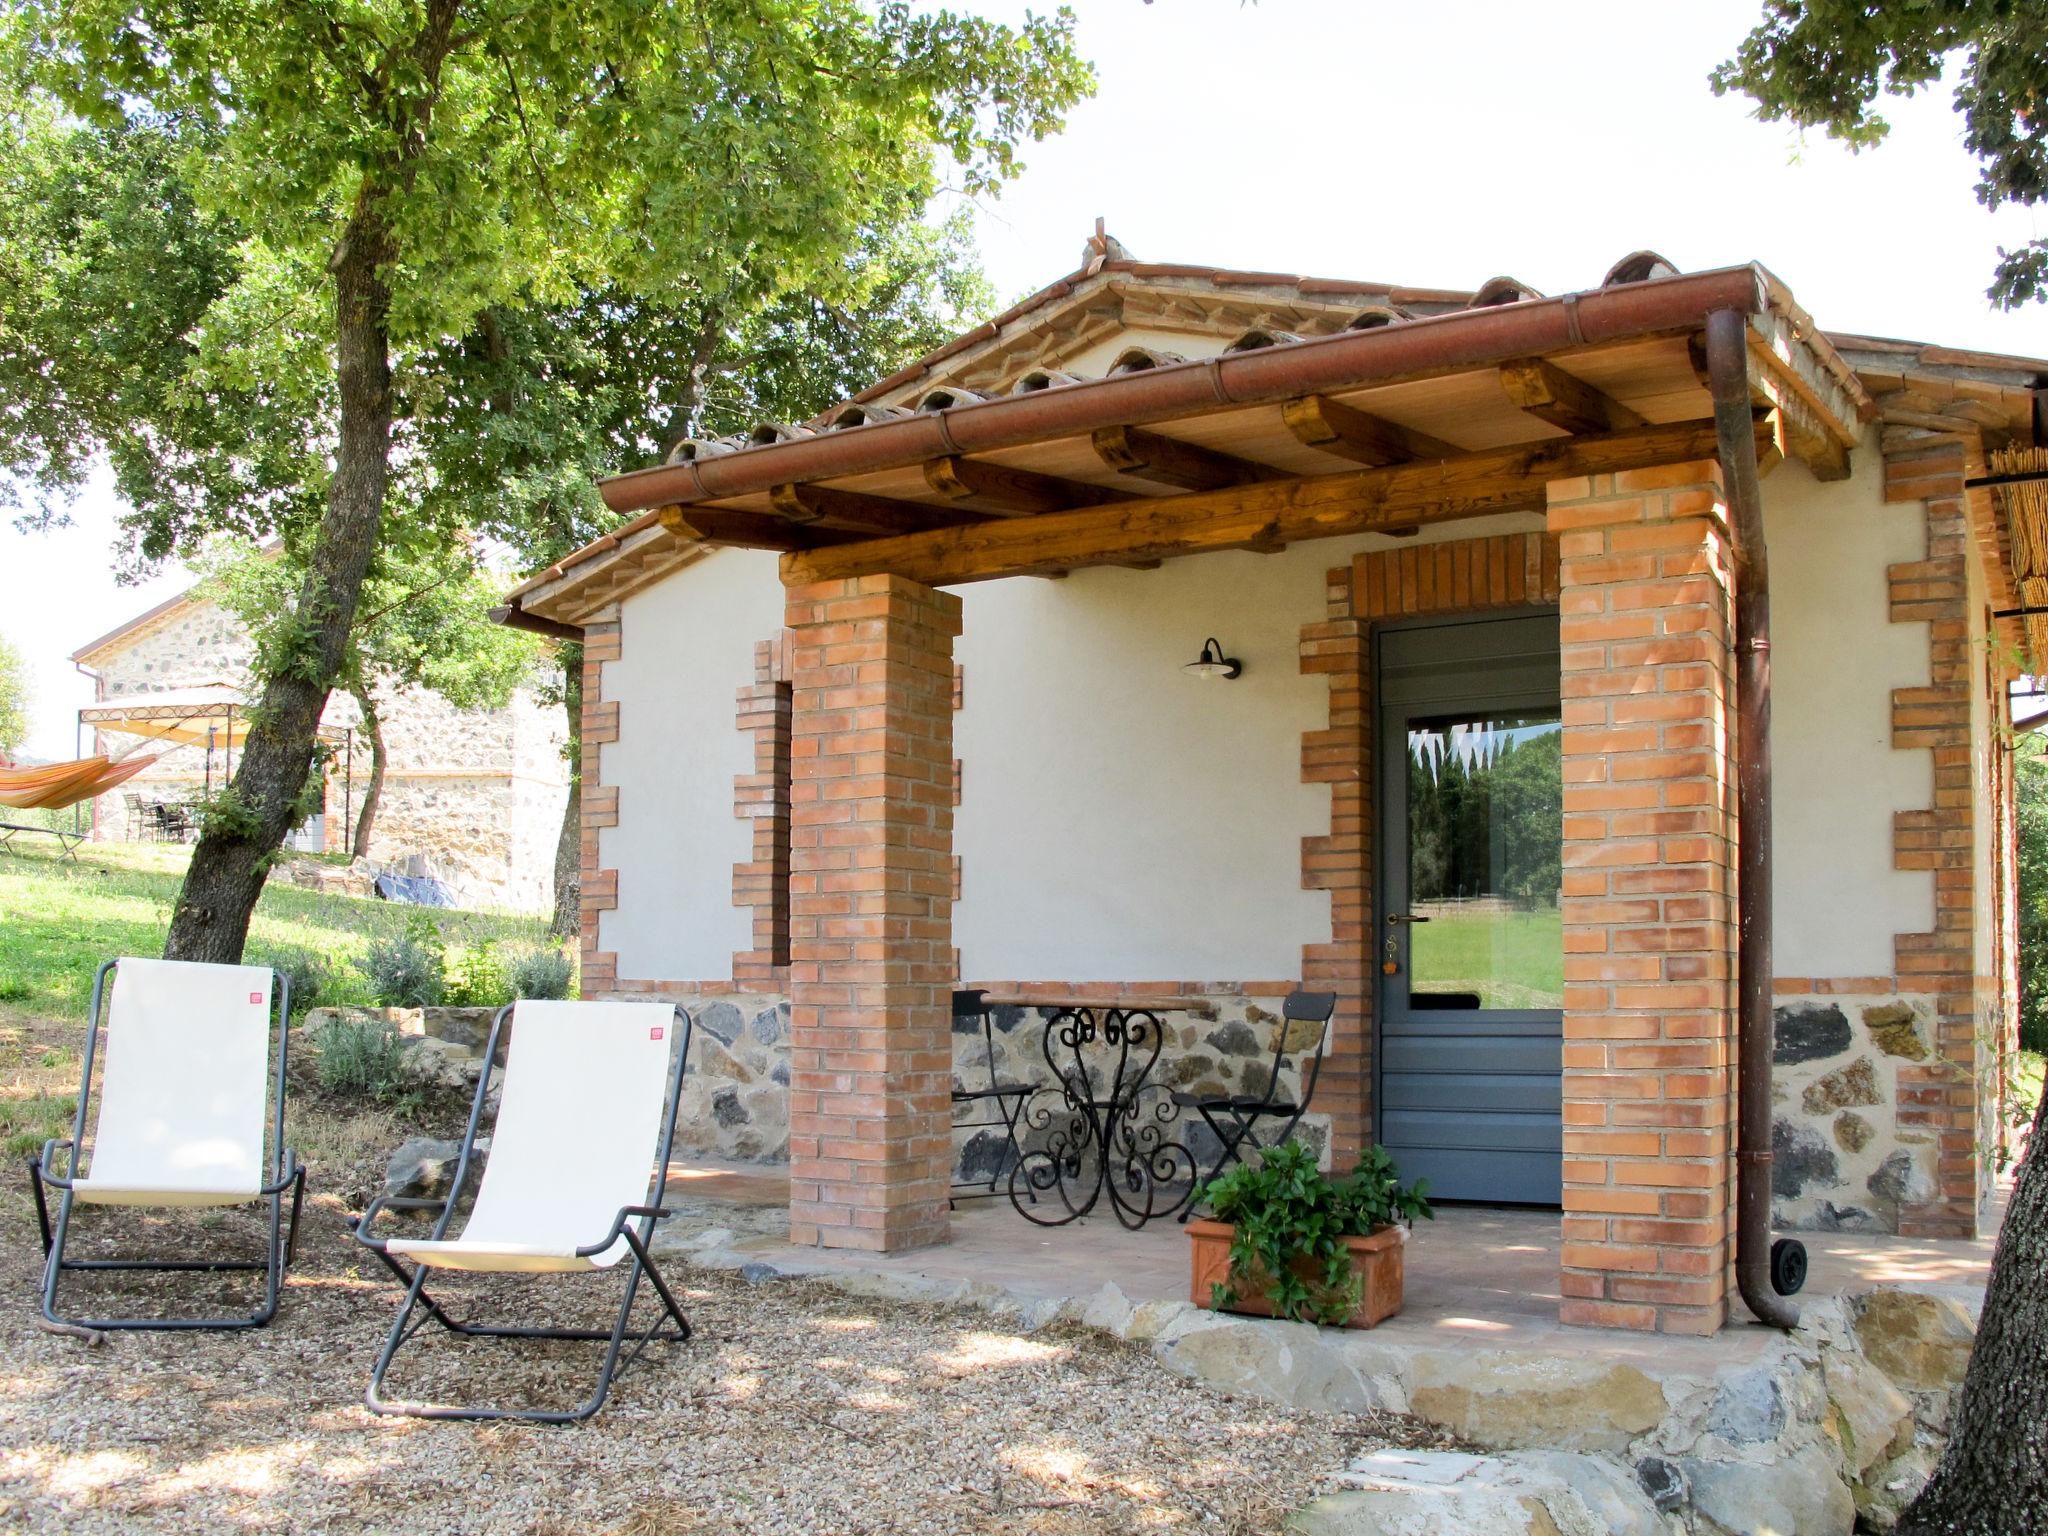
[[210, 714], [53, 786]]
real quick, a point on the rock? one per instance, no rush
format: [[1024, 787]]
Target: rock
[[1830, 1217], [1896, 1030], [714, 1061], [780, 1073], [1748, 1410], [721, 1021], [1885, 1492], [1450, 1493], [771, 1025], [758, 1273], [1515, 1402], [1921, 1342], [1233, 1039], [1853, 1084], [421, 1169], [1108, 1309], [984, 1159], [1795, 1495], [1292, 1363], [1149, 1319], [466, 1028], [726, 1109], [1663, 1482], [1852, 1131], [1901, 1180], [1869, 1410], [1302, 1035], [1180, 1071], [440, 1064], [1810, 1032], [1799, 1158]]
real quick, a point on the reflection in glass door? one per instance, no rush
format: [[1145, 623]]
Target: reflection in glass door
[[1471, 939]]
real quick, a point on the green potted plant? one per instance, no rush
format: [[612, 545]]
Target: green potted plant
[[1285, 1239]]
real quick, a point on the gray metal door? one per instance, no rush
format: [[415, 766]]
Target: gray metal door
[[1471, 947]]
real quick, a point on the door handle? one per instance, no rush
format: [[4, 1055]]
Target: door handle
[[1403, 917]]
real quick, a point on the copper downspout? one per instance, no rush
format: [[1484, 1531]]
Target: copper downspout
[[1728, 374]]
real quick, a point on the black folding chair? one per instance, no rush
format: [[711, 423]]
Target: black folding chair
[[570, 1158], [180, 1122], [1234, 1118], [1004, 1102]]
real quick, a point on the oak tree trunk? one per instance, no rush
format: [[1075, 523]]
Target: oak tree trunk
[[239, 840], [373, 789], [1993, 1477], [568, 919]]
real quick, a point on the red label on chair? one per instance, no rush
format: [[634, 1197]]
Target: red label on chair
[[654, 1033], [255, 997]]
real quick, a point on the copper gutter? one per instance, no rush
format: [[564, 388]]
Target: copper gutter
[[1420, 348], [1728, 374]]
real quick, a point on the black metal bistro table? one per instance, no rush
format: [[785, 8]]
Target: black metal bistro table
[[1100, 1126]]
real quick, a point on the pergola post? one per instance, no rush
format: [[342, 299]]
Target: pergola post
[[1649, 898], [872, 964]]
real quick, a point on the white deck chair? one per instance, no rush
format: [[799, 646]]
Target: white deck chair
[[588, 1113], [181, 1119]]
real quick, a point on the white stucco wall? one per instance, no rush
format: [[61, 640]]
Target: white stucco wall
[[1119, 820], [1835, 659], [687, 648]]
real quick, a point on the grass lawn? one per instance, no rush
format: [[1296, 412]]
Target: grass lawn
[[59, 920], [1511, 959]]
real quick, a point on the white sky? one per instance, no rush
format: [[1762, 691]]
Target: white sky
[[1433, 145]]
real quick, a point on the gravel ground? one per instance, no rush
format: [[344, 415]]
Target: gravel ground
[[795, 1409]]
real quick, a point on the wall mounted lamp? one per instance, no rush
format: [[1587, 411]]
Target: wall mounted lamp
[[1213, 663]]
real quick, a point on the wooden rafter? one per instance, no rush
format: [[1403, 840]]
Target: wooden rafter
[[1004, 491], [1242, 517], [1333, 427], [1547, 392], [825, 506], [1168, 461], [751, 530], [1807, 437]]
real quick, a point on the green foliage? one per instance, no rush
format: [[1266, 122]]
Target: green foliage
[[2030, 773], [14, 697], [1824, 63], [408, 969], [542, 973], [310, 976], [1290, 1220], [478, 978], [363, 1058]]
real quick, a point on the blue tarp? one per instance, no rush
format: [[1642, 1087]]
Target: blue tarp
[[420, 890]]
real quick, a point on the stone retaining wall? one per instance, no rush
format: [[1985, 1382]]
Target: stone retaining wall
[[736, 1093], [1842, 1159]]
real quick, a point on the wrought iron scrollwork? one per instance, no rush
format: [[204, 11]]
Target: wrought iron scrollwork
[[1101, 1125]]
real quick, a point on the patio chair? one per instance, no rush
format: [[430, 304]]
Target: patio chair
[[589, 1107], [1004, 1101], [181, 1121], [1234, 1118]]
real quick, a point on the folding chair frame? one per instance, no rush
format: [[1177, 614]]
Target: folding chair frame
[[1244, 1118], [633, 1223], [286, 1173]]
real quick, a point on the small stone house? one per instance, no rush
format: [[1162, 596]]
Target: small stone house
[[471, 797], [897, 700]]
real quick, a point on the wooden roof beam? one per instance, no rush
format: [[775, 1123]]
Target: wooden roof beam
[[750, 530], [1332, 427], [1381, 500], [1168, 461], [828, 507], [1547, 392], [1004, 491]]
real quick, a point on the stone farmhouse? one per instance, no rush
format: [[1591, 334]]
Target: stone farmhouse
[[471, 797], [1620, 728]]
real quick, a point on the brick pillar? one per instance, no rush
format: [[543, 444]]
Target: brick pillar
[[1649, 873], [871, 917], [1339, 648]]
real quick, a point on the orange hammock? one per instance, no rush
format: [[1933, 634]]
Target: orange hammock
[[53, 786]]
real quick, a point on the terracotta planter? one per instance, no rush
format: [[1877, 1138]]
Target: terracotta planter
[[1376, 1258]]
